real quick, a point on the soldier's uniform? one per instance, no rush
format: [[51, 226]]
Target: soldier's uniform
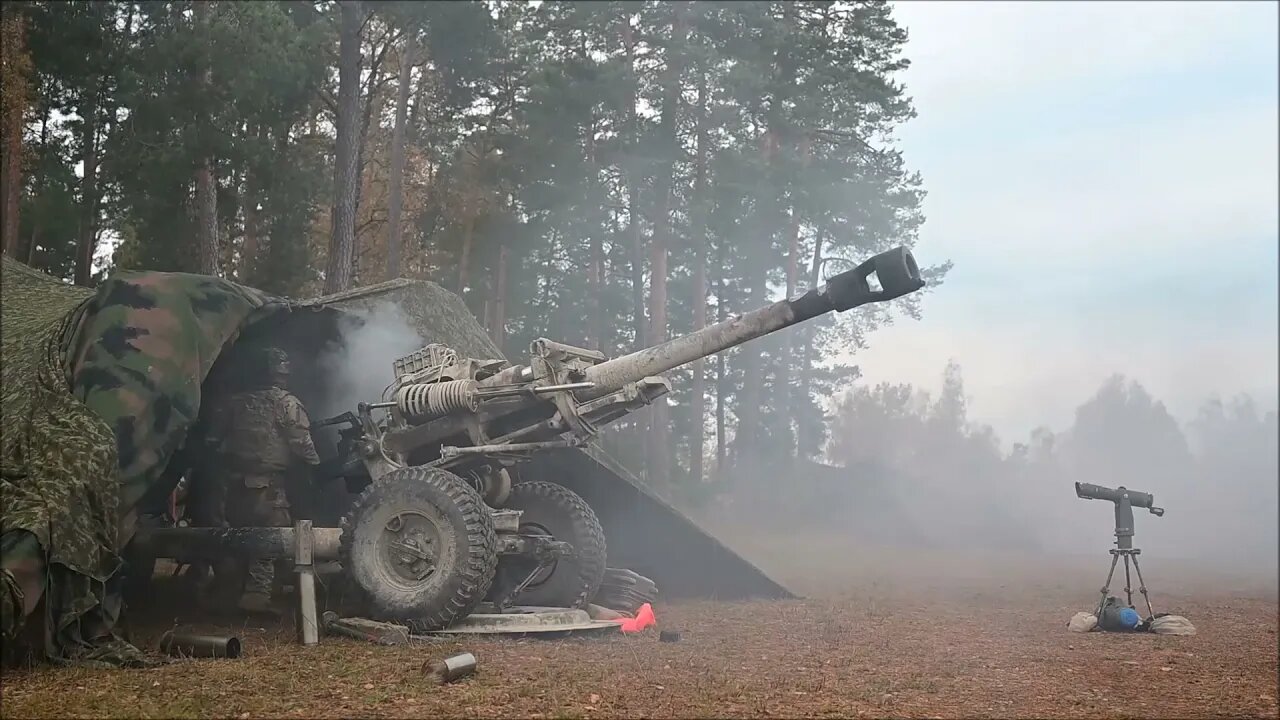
[[263, 436]]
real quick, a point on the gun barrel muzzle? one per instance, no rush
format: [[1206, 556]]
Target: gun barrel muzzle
[[895, 269]]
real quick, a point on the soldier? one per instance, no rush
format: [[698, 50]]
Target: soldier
[[264, 438]]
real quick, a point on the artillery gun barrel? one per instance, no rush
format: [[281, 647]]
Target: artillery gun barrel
[[896, 271]]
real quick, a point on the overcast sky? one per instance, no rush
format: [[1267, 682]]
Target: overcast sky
[[1104, 176]]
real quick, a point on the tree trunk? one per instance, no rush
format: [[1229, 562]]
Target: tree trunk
[[396, 201], [252, 217], [783, 402], [806, 359], [206, 185], [633, 187], [27, 252], [663, 199], [595, 287], [698, 238], [346, 177], [498, 329], [207, 218], [372, 109], [595, 267], [414, 119], [14, 75], [280, 138], [88, 231], [748, 436], [464, 254], [786, 404], [722, 387], [660, 419]]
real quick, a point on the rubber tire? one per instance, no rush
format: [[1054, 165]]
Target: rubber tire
[[562, 512], [453, 591]]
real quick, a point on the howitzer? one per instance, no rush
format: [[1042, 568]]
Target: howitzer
[[438, 526]]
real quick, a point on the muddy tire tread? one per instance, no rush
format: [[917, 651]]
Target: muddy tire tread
[[480, 558]]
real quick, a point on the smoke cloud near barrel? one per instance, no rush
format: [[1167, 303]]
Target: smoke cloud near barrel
[[358, 367]]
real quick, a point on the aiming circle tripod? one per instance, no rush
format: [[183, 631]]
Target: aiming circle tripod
[[1124, 501]]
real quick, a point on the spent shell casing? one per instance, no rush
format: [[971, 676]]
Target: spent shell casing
[[451, 668], [199, 646]]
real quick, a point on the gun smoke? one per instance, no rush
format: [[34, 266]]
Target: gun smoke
[[358, 367]]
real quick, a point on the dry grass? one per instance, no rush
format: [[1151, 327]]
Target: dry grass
[[877, 640]]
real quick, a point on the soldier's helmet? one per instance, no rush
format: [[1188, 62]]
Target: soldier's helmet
[[277, 362]]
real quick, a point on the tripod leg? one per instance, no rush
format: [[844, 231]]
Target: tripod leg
[[1142, 588], [1128, 592], [1107, 585]]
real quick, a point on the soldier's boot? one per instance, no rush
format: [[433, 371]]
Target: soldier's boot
[[257, 596]]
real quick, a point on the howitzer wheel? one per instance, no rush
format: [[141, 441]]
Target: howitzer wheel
[[420, 544], [551, 509]]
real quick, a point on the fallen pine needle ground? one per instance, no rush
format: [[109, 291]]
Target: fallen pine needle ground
[[873, 648]]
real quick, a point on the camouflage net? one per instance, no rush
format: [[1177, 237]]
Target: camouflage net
[[99, 391]]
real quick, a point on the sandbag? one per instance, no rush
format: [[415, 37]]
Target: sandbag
[[1083, 622], [1172, 625]]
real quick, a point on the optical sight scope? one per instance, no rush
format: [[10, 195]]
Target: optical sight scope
[[1136, 499], [1125, 501]]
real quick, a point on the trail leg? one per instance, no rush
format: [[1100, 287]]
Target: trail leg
[[1142, 588], [1105, 586], [1128, 592]]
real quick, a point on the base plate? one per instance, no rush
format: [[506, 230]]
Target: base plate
[[526, 620]]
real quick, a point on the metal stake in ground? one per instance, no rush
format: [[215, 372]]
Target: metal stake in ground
[[308, 619]]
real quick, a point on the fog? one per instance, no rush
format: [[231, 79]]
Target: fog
[[906, 473]]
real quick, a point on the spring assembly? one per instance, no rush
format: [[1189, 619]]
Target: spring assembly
[[430, 400]]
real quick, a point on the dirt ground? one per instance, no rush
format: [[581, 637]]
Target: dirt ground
[[884, 635]]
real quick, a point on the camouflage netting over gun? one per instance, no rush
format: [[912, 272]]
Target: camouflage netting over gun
[[99, 391]]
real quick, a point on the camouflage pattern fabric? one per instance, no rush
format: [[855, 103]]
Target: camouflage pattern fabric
[[258, 501], [261, 435], [99, 391], [264, 430]]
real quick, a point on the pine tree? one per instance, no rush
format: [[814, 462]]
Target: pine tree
[[15, 75]]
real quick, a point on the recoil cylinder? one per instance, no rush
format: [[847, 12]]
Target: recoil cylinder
[[428, 400]]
